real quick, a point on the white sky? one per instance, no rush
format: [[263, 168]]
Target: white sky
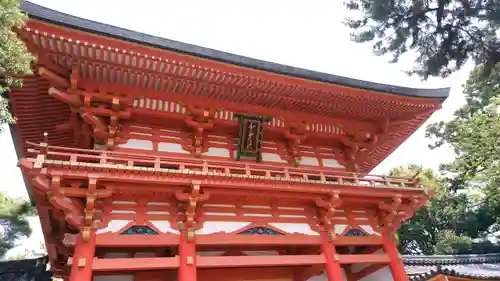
[[306, 34]]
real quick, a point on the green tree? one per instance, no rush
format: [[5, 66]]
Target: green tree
[[444, 34], [14, 215], [14, 57], [474, 134], [421, 233], [448, 223], [451, 244]]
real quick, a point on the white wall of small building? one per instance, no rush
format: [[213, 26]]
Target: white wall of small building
[[383, 274]]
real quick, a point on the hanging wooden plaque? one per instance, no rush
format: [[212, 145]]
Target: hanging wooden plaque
[[251, 136]]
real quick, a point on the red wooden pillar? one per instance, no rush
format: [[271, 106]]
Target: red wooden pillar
[[395, 259], [332, 266], [187, 256], [81, 268], [348, 273]]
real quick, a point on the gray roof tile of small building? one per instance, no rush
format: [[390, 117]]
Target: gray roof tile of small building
[[479, 267], [451, 260], [52, 16]]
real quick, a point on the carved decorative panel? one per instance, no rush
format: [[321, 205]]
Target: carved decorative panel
[[259, 230], [140, 230], [355, 232]]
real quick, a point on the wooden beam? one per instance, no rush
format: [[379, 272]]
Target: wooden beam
[[54, 78], [259, 261], [114, 240], [232, 106], [249, 240], [236, 183], [373, 259], [357, 240], [132, 264]]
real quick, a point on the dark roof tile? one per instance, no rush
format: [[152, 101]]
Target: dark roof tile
[[59, 18], [478, 267]]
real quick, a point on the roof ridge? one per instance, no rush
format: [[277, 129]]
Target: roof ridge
[[60, 18], [450, 256], [451, 259]]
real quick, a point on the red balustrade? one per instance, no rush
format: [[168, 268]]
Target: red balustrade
[[56, 155]]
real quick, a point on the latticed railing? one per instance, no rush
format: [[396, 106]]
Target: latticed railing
[[74, 158]]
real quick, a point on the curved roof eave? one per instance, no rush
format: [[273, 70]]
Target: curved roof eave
[[59, 18]]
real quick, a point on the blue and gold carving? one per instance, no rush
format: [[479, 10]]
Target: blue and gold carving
[[355, 232], [260, 230], [140, 230]]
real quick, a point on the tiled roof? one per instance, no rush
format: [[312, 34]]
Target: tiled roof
[[48, 15], [478, 267]]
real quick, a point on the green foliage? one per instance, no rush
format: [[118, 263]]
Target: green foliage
[[14, 57], [451, 244], [426, 176], [474, 134], [444, 34], [14, 215], [449, 220]]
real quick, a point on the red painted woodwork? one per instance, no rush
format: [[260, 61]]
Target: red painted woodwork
[[135, 264], [395, 259], [93, 63], [188, 262], [333, 269], [115, 241], [83, 258], [259, 261], [113, 161], [93, 95]]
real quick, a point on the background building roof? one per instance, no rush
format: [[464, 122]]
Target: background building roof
[[478, 267]]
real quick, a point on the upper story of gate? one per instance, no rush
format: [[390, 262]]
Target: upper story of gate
[[97, 86]]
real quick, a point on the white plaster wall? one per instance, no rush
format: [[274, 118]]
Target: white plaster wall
[[98, 146], [301, 228], [217, 226], [369, 229], [383, 274], [323, 277], [339, 228], [164, 226], [113, 226], [137, 144], [171, 147], [227, 227], [309, 161], [331, 163], [221, 226], [272, 157], [217, 152], [114, 278]]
